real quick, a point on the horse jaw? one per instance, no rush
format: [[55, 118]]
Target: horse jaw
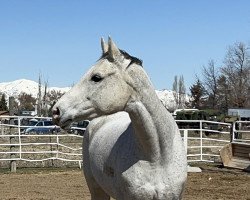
[[72, 111], [73, 107]]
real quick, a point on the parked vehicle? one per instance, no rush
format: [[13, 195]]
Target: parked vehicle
[[78, 127], [187, 115], [42, 127], [190, 114]]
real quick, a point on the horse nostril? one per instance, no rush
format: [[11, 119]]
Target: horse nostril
[[56, 115], [56, 111]]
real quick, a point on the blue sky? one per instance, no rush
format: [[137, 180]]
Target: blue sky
[[61, 38]]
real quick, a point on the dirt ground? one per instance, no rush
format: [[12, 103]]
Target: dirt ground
[[213, 183]]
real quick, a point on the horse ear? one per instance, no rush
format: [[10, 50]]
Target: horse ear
[[112, 49], [104, 46]]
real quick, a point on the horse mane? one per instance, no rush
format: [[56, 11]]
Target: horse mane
[[126, 55]]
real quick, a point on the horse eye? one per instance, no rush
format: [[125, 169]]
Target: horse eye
[[96, 78]]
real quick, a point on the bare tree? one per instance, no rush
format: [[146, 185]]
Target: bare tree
[[45, 100], [182, 92], [39, 97], [52, 98], [175, 90], [236, 71], [210, 79], [179, 91], [27, 102]]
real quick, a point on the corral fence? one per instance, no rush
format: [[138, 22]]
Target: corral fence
[[241, 132], [203, 141], [34, 149]]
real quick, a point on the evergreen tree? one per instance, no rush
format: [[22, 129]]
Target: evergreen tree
[[197, 94], [224, 97], [3, 103]]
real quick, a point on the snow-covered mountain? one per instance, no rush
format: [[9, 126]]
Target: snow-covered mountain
[[16, 87], [167, 98]]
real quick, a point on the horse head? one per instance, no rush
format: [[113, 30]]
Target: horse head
[[104, 89]]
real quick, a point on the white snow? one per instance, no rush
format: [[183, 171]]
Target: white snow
[[167, 98], [16, 87]]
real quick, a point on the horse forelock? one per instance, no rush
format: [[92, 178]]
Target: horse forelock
[[126, 55]]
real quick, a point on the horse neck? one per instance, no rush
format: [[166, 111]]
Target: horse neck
[[153, 125]]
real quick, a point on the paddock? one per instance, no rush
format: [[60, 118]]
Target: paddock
[[213, 183], [48, 166]]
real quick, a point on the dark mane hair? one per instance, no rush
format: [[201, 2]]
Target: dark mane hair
[[126, 55], [132, 58]]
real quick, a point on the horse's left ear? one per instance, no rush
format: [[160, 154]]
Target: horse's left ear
[[112, 49], [105, 46]]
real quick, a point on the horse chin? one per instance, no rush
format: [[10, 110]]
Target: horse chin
[[64, 124]]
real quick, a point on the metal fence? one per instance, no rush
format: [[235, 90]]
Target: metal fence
[[15, 145], [203, 141], [241, 131]]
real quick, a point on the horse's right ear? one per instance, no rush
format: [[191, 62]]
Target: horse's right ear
[[112, 49], [104, 46]]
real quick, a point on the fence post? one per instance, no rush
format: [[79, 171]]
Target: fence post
[[185, 137], [233, 130], [201, 142], [57, 145], [19, 137], [2, 128], [12, 138]]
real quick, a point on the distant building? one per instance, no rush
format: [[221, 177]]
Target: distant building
[[28, 113], [241, 113]]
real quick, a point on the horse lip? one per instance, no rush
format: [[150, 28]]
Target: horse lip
[[56, 119], [66, 123]]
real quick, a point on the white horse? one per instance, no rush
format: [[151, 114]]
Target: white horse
[[133, 155]]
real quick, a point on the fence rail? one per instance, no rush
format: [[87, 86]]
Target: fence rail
[[17, 146], [203, 141]]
